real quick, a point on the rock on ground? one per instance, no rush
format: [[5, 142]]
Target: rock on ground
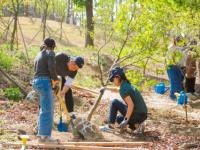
[[87, 129]]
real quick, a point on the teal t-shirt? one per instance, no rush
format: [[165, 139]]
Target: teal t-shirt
[[127, 89]]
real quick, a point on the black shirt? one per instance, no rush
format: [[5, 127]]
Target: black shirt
[[44, 65], [61, 66]]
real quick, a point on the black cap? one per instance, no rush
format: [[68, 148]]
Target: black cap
[[117, 71], [79, 61]]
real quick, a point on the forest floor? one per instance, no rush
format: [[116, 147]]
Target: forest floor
[[165, 126]]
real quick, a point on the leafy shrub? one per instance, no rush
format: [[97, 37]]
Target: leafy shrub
[[13, 94], [5, 60]]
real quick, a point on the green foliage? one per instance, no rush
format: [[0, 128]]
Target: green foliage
[[139, 80], [80, 3], [60, 7], [13, 94], [87, 81], [147, 35], [6, 60]]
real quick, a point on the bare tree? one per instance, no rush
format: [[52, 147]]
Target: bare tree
[[15, 7], [68, 11], [89, 39], [44, 17]]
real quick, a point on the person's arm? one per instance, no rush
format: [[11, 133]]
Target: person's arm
[[130, 104], [67, 85]]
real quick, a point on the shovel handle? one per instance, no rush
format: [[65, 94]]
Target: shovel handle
[[63, 106]]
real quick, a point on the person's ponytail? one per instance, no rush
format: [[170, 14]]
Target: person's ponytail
[[124, 78], [42, 47], [48, 43]]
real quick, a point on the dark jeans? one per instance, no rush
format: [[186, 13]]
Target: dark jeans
[[190, 85], [116, 106], [176, 78], [69, 101]]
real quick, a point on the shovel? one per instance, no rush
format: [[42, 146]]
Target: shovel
[[62, 127], [64, 108]]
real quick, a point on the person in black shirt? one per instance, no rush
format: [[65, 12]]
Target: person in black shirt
[[67, 68], [44, 66]]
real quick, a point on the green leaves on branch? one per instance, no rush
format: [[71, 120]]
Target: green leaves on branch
[[80, 3]]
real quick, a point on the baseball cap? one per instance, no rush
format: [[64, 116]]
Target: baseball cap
[[117, 71], [79, 61]]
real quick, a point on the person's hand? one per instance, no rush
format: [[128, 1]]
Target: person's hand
[[55, 85], [123, 124], [62, 94]]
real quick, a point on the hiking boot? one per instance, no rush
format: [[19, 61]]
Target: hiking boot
[[47, 139], [140, 129]]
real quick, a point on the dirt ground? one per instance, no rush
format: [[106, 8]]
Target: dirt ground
[[165, 125]]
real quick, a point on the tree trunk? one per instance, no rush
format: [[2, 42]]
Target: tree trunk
[[68, 11], [89, 40], [44, 21], [61, 27], [16, 10]]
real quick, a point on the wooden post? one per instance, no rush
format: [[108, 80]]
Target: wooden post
[[185, 105]]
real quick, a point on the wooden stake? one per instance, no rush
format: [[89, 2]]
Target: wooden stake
[[185, 105]]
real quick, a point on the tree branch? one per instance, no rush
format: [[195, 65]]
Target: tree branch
[[98, 58]]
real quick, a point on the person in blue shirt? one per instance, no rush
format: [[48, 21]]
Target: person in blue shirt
[[134, 111]]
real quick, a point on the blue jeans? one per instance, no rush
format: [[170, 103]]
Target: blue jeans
[[117, 105], [176, 78], [42, 85]]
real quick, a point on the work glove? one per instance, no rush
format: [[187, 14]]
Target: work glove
[[102, 89], [123, 124]]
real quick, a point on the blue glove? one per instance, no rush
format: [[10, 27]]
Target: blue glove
[[123, 123]]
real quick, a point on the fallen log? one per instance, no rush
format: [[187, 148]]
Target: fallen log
[[86, 145], [24, 92]]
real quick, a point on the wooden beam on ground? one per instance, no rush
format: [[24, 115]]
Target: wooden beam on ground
[[86, 145], [84, 89], [111, 144]]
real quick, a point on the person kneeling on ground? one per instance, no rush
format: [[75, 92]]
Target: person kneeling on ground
[[134, 112]]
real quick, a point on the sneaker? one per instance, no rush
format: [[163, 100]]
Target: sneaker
[[140, 129], [196, 94], [106, 128], [47, 139], [192, 96]]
